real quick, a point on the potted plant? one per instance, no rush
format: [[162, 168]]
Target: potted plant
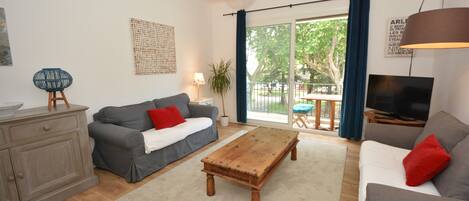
[[220, 82]]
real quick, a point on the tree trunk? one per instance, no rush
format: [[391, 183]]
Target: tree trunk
[[312, 74], [282, 96], [334, 70]]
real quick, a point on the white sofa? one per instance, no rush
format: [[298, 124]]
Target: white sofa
[[382, 164], [159, 139], [382, 174]]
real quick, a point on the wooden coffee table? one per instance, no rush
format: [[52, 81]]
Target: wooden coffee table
[[251, 159]]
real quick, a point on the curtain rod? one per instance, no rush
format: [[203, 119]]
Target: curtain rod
[[277, 7]]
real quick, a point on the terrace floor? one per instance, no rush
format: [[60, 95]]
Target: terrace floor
[[283, 119]]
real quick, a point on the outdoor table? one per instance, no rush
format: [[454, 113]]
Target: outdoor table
[[318, 98]]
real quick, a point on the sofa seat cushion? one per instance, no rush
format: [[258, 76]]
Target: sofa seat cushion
[[158, 139], [382, 164], [381, 155]]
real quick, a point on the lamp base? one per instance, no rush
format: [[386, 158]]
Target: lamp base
[[52, 101]]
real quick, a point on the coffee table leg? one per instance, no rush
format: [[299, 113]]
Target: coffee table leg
[[255, 195], [210, 185], [293, 154]]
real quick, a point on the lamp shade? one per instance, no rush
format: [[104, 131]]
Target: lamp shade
[[437, 29], [199, 78], [52, 79]]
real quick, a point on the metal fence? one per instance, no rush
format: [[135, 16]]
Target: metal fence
[[270, 97]]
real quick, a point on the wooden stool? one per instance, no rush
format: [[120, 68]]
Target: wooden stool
[[300, 112], [52, 101], [301, 117]]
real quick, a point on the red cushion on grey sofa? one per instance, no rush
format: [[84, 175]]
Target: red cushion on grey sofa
[[181, 101]]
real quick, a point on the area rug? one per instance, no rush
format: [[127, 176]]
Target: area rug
[[315, 176]]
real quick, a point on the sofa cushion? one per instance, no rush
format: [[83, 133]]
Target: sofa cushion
[[447, 129], [382, 164], [425, 161], [129, 116], [181, 101], [158, 139], [454, 181], [165, 117]]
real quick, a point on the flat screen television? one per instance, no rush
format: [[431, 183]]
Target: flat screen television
[[400, 96]]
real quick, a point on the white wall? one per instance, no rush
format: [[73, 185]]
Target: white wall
[[224, 33], [423, 64], [452, 69], [380, 12], [91, 39]]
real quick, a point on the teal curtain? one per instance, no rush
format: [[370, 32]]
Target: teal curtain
[[353, 101], [241, 96]]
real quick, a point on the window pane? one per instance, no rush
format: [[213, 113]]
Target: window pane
[[268, 62]]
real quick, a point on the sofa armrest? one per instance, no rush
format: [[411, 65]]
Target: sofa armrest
[[204, 111], [378, 192], [394, 135], [116, 135]]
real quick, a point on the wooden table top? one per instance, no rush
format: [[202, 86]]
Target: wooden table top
[[255, 152], [324, 97]]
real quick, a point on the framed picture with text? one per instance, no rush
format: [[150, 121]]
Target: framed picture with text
[[395, 30]]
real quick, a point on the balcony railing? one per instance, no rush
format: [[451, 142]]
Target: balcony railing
[[268, 97]]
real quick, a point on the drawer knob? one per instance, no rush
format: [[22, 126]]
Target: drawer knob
[[11, 178], [46, 128], [20, 175]]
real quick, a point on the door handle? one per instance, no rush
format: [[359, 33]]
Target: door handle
[[11, 178], [20, 175]]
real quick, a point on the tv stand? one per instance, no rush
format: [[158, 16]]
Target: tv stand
[[374, 116]]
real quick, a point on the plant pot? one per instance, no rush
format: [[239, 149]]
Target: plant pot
[[224, 120]]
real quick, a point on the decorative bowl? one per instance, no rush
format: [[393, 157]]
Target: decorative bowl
[[8, 109]]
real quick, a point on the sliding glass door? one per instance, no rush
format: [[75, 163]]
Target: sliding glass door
[[295, 72], [268, 66], [319, 72]]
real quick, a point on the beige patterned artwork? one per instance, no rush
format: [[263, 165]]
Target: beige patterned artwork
[[154, 47]]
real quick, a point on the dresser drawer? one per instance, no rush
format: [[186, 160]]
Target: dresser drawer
[[2, 138], [30, 129]]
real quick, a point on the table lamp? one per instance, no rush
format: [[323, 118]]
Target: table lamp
[[199, 80]]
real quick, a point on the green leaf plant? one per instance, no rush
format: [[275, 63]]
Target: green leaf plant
[[220, 80]]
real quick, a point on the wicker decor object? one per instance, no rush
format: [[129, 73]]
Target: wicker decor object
[[154, 47], [53, 80]]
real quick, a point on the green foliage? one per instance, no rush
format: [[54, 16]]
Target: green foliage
[[320, 55], [272, 47], [220, 80], [320, 50]]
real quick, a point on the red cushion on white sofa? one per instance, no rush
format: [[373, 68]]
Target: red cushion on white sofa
[[425, 161]]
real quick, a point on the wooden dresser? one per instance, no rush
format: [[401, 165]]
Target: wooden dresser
[[45, 155]]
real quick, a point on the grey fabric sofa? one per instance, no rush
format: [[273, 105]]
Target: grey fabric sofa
[[452, 184], [119, 148]]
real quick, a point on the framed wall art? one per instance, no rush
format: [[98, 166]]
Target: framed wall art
[[396, 28], [154, 47]]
